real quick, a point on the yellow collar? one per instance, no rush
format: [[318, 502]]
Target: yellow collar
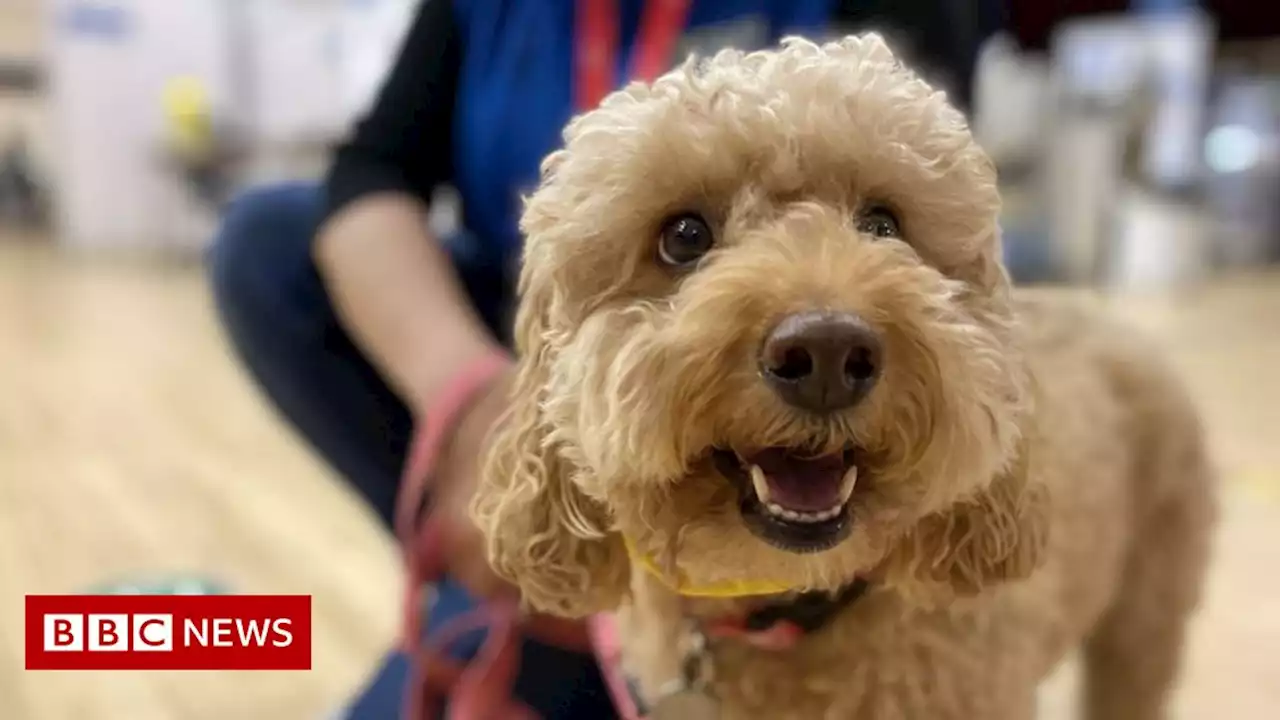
[[726, 589]]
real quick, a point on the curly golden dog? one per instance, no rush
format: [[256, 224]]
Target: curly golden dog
[[768, 350]]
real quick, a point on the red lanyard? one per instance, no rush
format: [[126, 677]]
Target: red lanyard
[[596, 51]]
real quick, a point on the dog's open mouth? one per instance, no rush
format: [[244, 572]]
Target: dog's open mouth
[[793, 501]]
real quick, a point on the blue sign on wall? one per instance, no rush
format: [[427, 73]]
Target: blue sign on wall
[[104, 20]]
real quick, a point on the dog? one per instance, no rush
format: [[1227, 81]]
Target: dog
[[771, 367]]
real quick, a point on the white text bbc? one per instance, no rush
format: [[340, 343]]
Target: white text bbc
[[154, 632]]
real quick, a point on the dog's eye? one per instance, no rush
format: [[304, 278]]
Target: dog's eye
[[685, 239], [879, 222]]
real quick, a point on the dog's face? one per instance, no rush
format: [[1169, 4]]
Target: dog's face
[[765, 334]]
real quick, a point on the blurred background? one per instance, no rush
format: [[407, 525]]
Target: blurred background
[[1139, 147]]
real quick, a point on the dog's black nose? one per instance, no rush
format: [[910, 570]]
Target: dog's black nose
[[821, 361]]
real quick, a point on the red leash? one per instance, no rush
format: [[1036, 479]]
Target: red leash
[[475, 691], [481, 689]]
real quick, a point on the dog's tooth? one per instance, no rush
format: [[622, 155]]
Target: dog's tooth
[[847, 483], [778, 511], [760, 483]]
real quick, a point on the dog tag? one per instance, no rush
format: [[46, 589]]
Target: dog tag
[[690, 698], [687, 704]]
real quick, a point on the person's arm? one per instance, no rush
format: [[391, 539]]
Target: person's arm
[[398, 297], [392, 285]]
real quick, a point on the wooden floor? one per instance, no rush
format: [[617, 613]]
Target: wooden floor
[[132, 447]]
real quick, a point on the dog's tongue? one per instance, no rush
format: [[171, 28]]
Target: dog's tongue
[[799, 483]]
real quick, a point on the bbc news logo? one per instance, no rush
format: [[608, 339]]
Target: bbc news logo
[[154, 633], [168, 632]]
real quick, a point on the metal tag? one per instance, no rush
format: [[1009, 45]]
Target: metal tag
[[688, 704], [689, 697]]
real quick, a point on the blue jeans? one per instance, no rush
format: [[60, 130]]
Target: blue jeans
[[277, 314]]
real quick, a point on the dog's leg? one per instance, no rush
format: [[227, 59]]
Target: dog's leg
[[1132, 657]]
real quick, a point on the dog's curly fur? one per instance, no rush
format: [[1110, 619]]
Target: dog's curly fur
[[1030, 477]]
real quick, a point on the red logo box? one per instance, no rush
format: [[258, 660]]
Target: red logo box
[[168, 632]]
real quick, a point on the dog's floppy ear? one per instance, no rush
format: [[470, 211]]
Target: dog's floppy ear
[[995, 536], [543, 534]]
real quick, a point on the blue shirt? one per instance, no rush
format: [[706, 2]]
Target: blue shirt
[[482, 88], [517, 87]]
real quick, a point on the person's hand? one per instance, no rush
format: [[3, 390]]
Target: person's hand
[[466, 558], [455, 482]]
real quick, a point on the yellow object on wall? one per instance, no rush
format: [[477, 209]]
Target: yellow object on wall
[[188, 119]]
